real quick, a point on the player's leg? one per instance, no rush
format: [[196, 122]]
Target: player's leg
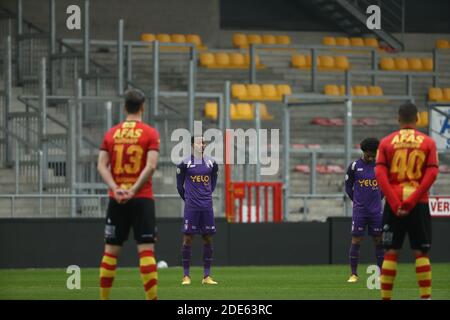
[[358, 226], [354, 257], [190, 227], [116, 232], [144, 228], [394, 230], [420, 240], [375, 230], [186, 254], [208, 230]]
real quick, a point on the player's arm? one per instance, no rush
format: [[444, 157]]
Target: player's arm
[[104, 170], [147, 172], [181, 176], [381, 173], [350, 180], [430, 175], [214, 173]]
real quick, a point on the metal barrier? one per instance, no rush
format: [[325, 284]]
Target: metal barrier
[[242, 193]]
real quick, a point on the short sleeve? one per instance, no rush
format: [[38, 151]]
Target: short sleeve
[[433, 160], [104, 145], [381, 155], [154, 140]]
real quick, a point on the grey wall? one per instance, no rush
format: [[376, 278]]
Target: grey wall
[[38, 243], [155, 16]]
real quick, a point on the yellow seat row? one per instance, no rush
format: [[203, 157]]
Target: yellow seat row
[[227, 60], [239, 111], [406, 64], [243, 41], [269, 92], [439, 94], [175, 38], [423, 119], [350, 42], [335, 90], [443, 44], [325, 63]]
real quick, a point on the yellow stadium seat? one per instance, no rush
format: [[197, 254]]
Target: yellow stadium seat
[[427, 64], [309, 61], [244, 111], [326, 62], [207, 59], [442, 44], [446, 92], [264, 112], [222, 59], [283, 39], [238, 91], [257, 60], [233, 112], [298, 61], [387, 64], [357, 42], [254, 91], [331, 90], [254, 39], [195, 39], [283, 90], [423, 119], [178, 38], [269, 39], [163, 37], [149, 37], [435, 94], [237, 60], [269, 92], [329, 41], [342, 90], [415, 64], [211, 110], [240, 40], [371, 42], [361, 91], [375, 91], [341, 63], [342, 41], [401, 64]]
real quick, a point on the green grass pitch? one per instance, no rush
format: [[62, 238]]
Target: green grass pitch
[[259, 283]]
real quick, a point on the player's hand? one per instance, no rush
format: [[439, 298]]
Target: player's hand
[[128, 195], [120, 195], [402, 212]]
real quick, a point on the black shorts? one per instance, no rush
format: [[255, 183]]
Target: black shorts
[[138, 213], [417, 224]]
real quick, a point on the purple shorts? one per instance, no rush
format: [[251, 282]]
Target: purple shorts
[[373, 223], [198, 221]]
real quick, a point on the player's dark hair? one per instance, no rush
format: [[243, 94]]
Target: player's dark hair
[[134, 99], [370, 144], [193, 138], [407, 113]]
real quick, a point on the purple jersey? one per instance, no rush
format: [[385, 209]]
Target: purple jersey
[[196, 182], [362, 188]]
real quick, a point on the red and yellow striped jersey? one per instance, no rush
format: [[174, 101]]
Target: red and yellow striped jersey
[[127, 145], [407, 153]]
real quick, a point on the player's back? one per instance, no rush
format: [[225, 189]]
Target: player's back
[[127, 145], [407, 153]]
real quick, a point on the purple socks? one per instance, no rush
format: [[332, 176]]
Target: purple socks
[[207, 259], [354, 257], [186, 259]]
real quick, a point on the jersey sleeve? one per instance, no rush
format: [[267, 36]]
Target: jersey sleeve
[[350, 180], [105, 143], [381, 155], [433, 160], [214, 173], [181, 176], [154, 140]]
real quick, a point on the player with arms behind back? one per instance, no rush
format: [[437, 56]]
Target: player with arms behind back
[[362, 188], [406, 167], [127, 161]]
